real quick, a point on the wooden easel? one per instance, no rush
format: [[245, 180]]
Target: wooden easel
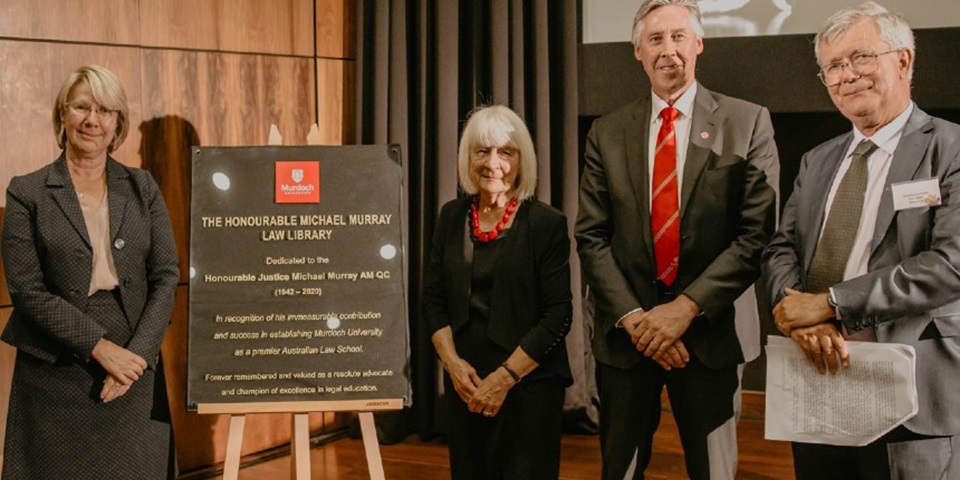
[[299, 422], [300, 432]]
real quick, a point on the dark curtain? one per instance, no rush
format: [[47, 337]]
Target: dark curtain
[[422, 66]]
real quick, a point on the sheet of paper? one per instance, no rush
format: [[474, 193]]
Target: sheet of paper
[[853, 407]]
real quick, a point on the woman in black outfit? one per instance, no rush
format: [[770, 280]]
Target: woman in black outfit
[[497, 299]]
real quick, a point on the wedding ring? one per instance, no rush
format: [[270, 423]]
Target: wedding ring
[[487, 414]]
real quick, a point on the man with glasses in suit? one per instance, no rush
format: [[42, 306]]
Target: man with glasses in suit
[[868, 247]]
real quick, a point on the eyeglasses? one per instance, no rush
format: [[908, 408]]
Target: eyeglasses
[[859, 63], [83, 110]]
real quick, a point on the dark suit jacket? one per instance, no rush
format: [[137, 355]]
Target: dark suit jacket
[[530, 303], [48, 261], [727, 213], [911, 293]]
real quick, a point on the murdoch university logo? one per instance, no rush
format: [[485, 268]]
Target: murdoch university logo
[[297, 182]]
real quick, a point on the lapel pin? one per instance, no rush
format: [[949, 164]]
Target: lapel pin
[[704, 135]]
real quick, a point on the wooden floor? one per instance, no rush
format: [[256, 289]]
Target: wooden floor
[[415, 460]]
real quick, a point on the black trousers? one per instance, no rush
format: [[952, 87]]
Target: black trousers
[[521, 443], [705, 403]]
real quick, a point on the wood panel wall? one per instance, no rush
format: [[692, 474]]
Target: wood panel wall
[[215, 72]]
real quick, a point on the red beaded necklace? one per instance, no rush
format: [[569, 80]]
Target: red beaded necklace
[[484, 237]]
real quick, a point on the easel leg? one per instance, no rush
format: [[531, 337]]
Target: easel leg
[[371, 446], [300, 447], [231, 465]]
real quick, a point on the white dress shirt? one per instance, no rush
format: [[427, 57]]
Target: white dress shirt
[[878, 165], [681, 125]]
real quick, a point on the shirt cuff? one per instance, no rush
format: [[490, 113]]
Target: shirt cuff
[[832, 301], [619, 323]]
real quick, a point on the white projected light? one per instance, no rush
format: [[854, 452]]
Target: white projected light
[[388, 252], [221, 181], [333, 323]]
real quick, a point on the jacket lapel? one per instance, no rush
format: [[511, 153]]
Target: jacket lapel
[[62, 191], [702, 136], [118, 188], [463, 262], [636, 135], [917, 134]]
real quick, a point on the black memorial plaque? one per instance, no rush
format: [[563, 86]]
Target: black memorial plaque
[[297, 276]]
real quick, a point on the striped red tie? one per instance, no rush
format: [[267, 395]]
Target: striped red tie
[[665, 211]]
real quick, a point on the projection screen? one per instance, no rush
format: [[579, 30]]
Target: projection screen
[[607, 21]]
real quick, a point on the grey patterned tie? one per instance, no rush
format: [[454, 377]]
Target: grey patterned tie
[[830, 258]]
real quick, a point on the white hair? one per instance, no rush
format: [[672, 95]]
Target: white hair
[[894, 29]]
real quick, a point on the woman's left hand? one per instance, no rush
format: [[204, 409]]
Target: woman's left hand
[[491, 393], [113, 389]]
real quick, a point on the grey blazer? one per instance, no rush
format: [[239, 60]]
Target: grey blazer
[[48, 260], [911, 293], [728, 207]]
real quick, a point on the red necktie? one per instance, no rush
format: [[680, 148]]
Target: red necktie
[[665, 211]]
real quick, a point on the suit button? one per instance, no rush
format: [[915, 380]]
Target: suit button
[[126, 282]]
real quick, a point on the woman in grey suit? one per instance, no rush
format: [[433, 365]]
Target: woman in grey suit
[[92, 270]]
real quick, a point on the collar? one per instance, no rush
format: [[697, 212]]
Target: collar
[[887, 137], [684, 104]]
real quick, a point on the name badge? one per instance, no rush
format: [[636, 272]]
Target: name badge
[[916, 193]]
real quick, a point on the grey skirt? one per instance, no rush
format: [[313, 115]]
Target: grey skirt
[[57, 427]]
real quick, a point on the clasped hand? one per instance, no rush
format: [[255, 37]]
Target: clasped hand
[[484, 396], [123, 367], [656, 332], [804, 317]]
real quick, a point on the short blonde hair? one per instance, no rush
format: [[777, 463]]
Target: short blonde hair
[[107, 91], [497, 126]]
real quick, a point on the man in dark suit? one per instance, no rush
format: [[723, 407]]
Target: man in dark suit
[[677, 201], [869, 246]]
